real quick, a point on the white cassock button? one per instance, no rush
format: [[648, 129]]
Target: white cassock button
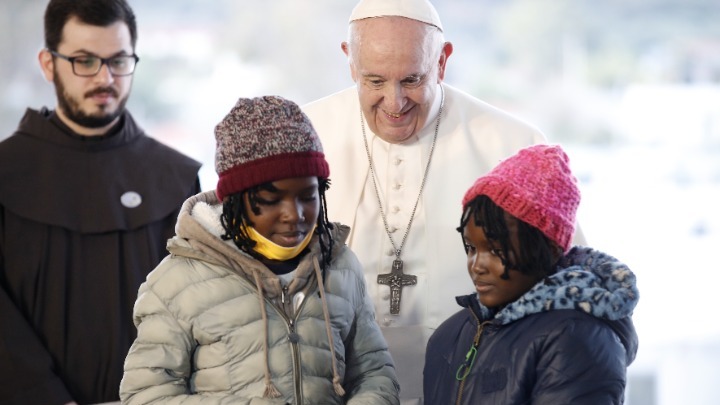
[[397, 186], [393, 229], [398, 161], [130, 199], [395, 209], [390, 252]]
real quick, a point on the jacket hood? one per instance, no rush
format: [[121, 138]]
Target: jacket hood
[[625, 330], [156, 176], [586, 280], [198, 236]]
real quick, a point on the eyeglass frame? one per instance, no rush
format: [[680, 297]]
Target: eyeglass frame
[[103, 61]]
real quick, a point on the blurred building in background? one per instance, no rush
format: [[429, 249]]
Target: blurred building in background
[[631, 88]]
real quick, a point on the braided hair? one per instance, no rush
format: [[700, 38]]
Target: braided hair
[[235, 213], [535, 255]]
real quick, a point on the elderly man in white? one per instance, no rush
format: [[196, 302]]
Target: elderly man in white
[[403, 147]]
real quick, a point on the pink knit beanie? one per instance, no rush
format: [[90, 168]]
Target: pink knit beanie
[[265, 139], [536, 186]]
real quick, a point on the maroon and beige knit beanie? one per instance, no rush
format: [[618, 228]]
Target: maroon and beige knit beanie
[[265, 139], [536, 186]]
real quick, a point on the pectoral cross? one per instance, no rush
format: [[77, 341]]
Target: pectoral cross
[[396, 279]]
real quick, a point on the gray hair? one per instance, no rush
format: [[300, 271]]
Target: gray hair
[[432, 33]]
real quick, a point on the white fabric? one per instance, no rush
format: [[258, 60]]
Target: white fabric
[[473, 137], [420, 10]]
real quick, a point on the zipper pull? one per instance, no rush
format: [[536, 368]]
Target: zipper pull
[[284, 295], [292, 336], [464, 369]]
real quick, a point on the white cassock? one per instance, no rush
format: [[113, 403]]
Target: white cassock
[[473, 137]]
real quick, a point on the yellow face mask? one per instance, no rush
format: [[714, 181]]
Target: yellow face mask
[[272, 250]]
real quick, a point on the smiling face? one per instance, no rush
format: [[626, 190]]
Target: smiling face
[[396, 63], [486, 266], [287, 210], [89, 105]]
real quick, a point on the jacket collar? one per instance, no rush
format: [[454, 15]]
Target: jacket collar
[[586, 280], [198, 233]]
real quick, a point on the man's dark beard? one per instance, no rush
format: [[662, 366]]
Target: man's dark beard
[[72, 109]]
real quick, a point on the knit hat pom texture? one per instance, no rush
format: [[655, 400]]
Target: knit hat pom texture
[[265, 139]]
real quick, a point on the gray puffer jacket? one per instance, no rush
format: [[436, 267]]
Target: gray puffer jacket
[[215, 326]]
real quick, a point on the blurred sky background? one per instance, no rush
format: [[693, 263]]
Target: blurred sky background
[[631, 89]]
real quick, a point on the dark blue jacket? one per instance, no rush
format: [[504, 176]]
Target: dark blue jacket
[[568, 340]]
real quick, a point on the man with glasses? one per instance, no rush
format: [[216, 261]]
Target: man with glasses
[[90, 65], [87, 203]]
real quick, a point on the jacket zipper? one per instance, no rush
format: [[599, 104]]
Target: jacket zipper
[[294, 338], [465, 368]]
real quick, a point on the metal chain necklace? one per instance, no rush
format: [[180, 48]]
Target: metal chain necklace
[[396, 279]]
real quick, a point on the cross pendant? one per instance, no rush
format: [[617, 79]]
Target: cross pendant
[[396, 279]]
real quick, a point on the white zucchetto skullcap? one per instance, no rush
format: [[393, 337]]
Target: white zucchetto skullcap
[[419, 10]]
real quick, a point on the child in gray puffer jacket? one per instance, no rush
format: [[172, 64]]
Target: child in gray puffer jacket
[[260, 301]]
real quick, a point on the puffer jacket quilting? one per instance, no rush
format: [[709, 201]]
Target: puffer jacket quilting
[[200, 331]]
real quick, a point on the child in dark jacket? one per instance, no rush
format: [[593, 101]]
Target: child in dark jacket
[[548, 324]]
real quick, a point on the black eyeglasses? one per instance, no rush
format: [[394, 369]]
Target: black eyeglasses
[[90, 65]]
